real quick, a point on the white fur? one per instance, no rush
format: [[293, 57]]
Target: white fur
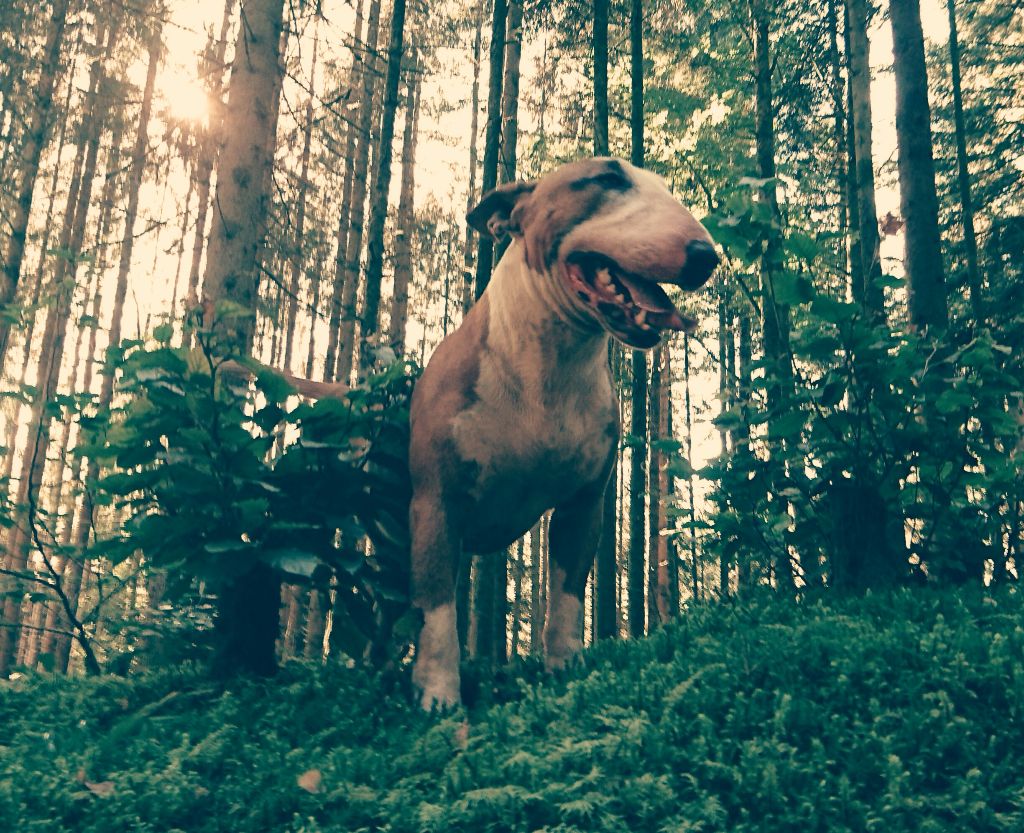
[[528, 320], [436, 672]]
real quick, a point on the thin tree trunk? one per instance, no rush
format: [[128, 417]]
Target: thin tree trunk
[[355, 78], [298, 249], [54, 335], [839, 131], [724, 385], [963, 173], [316, 626], [869, 294], [919, 204], [406, 215], [508, 141], [856, 258], [474, 130], [606, 620], [600, 77], [208, 154], [361, 165], [774, 316], [536, 612], [485, 245], [694, 564], [638, 389], [517, 597], [657, 609], [379, 210], [28, 170]]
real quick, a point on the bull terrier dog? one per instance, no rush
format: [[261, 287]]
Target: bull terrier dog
[[515, 413]]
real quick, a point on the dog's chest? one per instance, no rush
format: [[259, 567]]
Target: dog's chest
[[535, 433]]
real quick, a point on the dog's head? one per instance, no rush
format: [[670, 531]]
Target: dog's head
[[612, 233]]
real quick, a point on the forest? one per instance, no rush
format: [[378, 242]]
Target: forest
[[232, 237]]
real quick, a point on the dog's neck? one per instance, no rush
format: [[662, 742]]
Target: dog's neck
[[537, 327]]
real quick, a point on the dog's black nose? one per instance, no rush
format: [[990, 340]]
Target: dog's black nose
[[701, 260]]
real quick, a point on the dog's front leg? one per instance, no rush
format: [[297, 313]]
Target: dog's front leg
[[575, 532], [435, 560]]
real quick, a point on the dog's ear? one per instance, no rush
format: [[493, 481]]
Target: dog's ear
[[493, 215]]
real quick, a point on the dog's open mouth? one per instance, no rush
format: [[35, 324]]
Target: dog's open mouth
[[633, 309]]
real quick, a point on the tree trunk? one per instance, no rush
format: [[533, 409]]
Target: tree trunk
[[28, 170], [379, 211], [963, 173], [510, 92], [299, 248], [638, 389], [361, 166], [406, 215], [774, 316], [485, 245], [316, 625], [839, 131], [474, 130], [657, 608], [208, 154], [246, 623], [926, 287], [517, 597], [356, 77], [54, 335], [600, 77], [536, 611], [606, 624], [869, 294]]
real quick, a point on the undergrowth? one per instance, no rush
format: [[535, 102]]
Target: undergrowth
[[895, 712]]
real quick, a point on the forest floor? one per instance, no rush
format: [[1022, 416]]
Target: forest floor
[[895, 712]]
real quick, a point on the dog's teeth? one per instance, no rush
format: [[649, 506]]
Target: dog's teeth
[[603, 277], [620, 298], [641, 318]]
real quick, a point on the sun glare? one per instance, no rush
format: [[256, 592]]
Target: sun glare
[[185, 98]]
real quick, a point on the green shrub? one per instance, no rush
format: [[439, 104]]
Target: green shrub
[[894, 712]]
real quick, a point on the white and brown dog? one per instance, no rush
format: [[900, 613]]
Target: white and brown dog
[[516, 413]]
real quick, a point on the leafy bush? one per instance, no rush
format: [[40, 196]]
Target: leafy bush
[[215, 471], [896, 712], [861, 435]]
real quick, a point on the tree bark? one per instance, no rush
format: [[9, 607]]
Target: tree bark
[[600, 77], [208, 153], [406, 215], [606, 624], [379, 211], [919, 203], [246, 622], [54, 335], [536, 578], [468, 251], [839, 131], [485, 245], [638, 388], [869, 294], [298, 249], [361, 166], [774, 315], [963, 173], [356, 78], [28, 170]]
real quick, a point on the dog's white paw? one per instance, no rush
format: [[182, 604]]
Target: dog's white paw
[[436, 670]]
